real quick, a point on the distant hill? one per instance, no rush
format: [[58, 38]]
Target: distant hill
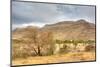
[[80, 29]]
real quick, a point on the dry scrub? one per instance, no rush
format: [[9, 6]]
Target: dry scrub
[[69, 57]]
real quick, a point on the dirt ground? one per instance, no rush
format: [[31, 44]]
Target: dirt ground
[[69, 57]]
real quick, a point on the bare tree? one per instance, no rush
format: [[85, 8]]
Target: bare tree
[[42, 39]]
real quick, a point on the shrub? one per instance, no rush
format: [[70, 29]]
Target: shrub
[[65, 49], [90, 48]]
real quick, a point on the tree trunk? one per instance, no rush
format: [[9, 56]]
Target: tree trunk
[[39, 51]]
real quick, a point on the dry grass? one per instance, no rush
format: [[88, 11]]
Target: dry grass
[[69, 57]]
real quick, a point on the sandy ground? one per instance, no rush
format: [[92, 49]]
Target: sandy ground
[[69, 57]]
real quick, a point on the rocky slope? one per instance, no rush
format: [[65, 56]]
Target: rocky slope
[[80, 29]]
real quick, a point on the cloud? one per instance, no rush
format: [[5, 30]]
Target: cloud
[[42, 13], [33, 12], [27, 24], [77, 12]]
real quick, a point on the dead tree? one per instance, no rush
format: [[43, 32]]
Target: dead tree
[[41, 40]]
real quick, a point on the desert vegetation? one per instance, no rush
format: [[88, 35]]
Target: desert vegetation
[[44, 46]]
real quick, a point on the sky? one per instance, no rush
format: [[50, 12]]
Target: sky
[[39, 14]]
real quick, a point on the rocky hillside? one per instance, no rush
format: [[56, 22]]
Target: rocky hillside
[[80, 29]]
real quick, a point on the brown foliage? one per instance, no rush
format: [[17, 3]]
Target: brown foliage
[[90, 48]]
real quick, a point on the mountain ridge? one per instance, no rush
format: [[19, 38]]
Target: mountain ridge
[[80, 29]]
